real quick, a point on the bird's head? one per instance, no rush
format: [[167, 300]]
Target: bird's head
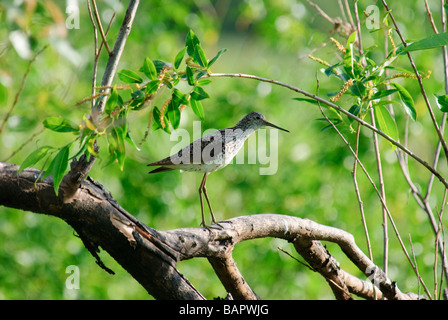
[[256, 120]]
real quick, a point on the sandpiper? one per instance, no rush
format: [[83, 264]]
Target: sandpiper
[[213, 152]]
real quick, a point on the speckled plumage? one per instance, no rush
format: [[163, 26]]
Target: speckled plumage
[[214, 151]]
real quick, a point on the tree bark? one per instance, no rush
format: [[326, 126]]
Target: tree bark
[[94, 215], [150, 256]]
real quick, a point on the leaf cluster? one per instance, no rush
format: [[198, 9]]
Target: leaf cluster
[[366, 81], [370, 86]]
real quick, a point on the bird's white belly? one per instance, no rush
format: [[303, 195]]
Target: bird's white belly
[[217, 163]]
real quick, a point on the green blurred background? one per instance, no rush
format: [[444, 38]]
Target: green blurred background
[[266, 38]]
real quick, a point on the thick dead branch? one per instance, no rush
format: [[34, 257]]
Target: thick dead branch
[[150, 256], [232, 279], [94, 214], [320, 259], [306, 236]]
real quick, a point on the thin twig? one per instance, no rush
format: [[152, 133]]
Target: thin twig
[[423, 200], [97, 50], [100, 27], [444, 116], [114, 57], [440, 242], [378, 193], [321, 12], [419, 79], [22, 85], [415, 263], [358, 194], [377, 152], [358, 28], [440, 230], [301, 262], [349, 13], [383, 193], [96, 55], [34, 135], [340, 109], [428, 10], [341, 7]]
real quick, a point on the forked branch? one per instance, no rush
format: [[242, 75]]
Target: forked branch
[[80, 168], [151, 256]]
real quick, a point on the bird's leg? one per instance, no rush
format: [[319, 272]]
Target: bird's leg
[[201, 189], [208, 202], [209, 205]]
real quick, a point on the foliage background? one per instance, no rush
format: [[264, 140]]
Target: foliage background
[[266, 38]]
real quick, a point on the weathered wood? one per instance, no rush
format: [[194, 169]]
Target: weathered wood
[[93, 214], [151, 256]]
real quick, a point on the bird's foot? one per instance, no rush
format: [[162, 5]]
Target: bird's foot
[[215, 226]]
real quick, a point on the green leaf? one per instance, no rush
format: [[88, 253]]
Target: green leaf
[[348, 56], [398, 69], [387, 102], [179, 58], [117, 150], [149, 69], [199, 55], [58, 166], [59, 124], [190, 42], [197, 108], [3, 94], [383, 93], [175, 81], [178, 97], [34, 157], [333, 70], [385, 122], [442, 102], [190, 76], [358, 89], [156, 119], [312, 101], [131, 141], [434, 41], [138, 95], [351, 39], [204, 82], [118, 137], [83, 147], [112, 101], [152, 86], [354, 110], [173, 114], [371, 62], [159, 64], [199, 93], [201, 74], [406, 100], [138, 101], [129, 76], [220, 52]]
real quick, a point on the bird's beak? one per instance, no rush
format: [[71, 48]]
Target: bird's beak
[[274, 126]]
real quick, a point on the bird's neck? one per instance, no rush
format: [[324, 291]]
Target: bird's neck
[[242, 132]]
